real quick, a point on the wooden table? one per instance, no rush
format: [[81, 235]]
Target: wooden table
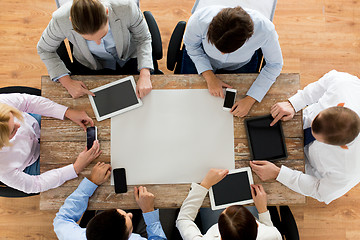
[[62, 141]]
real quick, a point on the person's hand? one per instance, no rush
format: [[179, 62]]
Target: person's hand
[[242, 107], [79, 117], [265, 170], [100, 173], [213, 177], [282, 110], [143, 86], [75, 88], [259, 196], [215, 85], [86, 157], [144, 199]]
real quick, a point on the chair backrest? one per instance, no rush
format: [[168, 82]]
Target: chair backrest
[[266, 7], [6, 191]]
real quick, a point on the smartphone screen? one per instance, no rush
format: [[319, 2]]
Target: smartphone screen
[[120, 180], [229, 99], [90, 136]]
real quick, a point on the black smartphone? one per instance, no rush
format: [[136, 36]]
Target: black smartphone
[[229, 100], [120, 180], [91, 136]]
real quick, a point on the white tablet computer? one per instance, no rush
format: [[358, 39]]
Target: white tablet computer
[[234, 189], [114, 98]]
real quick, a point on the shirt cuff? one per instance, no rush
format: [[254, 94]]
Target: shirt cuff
[[62, 110], [68, 172], [56, 79], [284, 175], [151, 217], [260, 87], [198, 188], [87, 186], [265, 216], [297, 102]]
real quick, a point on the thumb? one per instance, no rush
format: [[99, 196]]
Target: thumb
[[258, 162], [226, 85], [81, 124], [287, 118], [108, 174]]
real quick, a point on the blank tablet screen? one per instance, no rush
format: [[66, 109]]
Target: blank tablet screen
[[115, 98], [267, 143], [233, 188]]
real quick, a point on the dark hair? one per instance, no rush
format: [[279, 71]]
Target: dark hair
[[230, 29], [338, 125], [88, 16], [236, 222], [107, 225]]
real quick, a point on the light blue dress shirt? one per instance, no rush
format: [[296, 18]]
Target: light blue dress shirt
[[65, 222], [207, 57], [105, 53]]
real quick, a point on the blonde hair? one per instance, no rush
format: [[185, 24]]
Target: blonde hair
[[5, 111], [87, 16]]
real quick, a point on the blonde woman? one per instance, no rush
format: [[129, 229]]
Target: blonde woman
[[20, 144]]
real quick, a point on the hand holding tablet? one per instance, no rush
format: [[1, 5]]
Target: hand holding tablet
[[233, 189], [114, 98]]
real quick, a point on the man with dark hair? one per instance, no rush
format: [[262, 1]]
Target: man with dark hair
[[113, 224], [331, 138], [235, 222], [108, 37], [224, 40]]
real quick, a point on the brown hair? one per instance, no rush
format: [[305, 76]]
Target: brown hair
[[230, 29], [5, 111], [338, 125], [236, 222], [108, 225], [88, 16]]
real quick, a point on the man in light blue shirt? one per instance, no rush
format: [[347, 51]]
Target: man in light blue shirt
[[110, 224], [220, 38]]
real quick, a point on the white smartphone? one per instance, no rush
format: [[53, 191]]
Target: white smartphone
[[229, 100]]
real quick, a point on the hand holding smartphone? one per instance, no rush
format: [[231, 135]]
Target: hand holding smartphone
[[91, 136], [229, 100]]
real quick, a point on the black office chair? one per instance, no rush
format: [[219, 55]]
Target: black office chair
[[156, 43], [6, 191], [285, 223], [175, 50]]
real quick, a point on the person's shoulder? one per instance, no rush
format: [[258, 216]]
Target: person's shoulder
[[267, 232], [63, 12], [261, 23], [119, 5], [207, 13]]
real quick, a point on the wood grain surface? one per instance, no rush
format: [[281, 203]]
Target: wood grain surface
[[61, 141]]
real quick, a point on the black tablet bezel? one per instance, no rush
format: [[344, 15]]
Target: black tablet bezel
[[281, 132]]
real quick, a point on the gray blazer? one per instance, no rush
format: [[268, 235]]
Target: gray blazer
[[129, 29]]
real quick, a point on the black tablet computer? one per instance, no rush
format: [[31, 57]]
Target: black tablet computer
[[114, 98], [234, 189], [265, 142]]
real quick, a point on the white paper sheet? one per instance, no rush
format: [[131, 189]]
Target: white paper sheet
[[175, 137]]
